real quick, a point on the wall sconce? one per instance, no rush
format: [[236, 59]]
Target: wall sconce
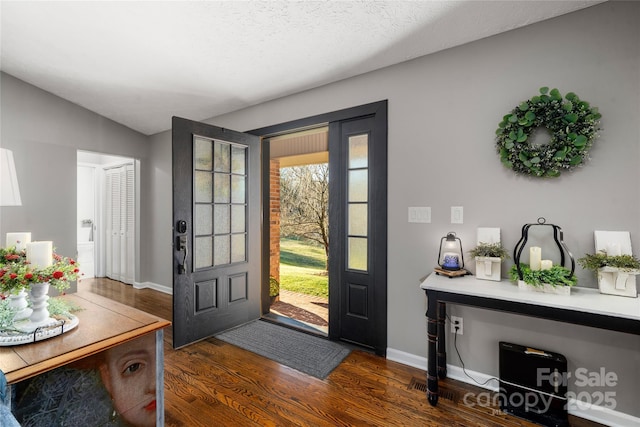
[[450, 256], [9, 191]]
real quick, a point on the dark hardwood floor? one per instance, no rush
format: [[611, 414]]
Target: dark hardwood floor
[[212, 383]]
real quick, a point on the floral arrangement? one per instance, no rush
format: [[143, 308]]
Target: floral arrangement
[[17, 273], [555, 276], [602, 259]]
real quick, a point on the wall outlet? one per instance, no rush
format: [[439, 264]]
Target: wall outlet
[[456, 322]]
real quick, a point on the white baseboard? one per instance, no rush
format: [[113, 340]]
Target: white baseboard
[[599, 414], [154, 286]]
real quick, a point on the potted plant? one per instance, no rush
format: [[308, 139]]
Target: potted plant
[[556, 280], [616, 273], [489, 258]]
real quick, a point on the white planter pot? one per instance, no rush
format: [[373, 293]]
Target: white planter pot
[[488, 268], [546, 288], [616, 281]]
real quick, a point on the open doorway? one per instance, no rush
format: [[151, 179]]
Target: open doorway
[[299, 230], [106, 216], [357, 151]]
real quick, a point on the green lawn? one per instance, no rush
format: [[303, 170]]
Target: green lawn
[[302, 268]]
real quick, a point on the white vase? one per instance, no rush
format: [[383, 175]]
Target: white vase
[[488, 268], [39, 297], [21, 305], [618, 281]]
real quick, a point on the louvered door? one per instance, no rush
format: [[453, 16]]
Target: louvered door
[[120, 230]]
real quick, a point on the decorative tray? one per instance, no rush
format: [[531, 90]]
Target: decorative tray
[[23, 334]]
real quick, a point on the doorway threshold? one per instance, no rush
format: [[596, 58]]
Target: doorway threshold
[[295, 324]]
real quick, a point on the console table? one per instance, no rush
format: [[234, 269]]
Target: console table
[[104, 325], [585, 306]]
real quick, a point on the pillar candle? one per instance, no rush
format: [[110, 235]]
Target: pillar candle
[[40, 254], [535, 256], [546, 264], [19, 240]]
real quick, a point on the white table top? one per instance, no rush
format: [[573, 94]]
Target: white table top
[[581, 299]]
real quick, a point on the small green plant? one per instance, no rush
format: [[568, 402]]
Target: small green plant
[[274, 287], [494, 250], [601, 259], [555, 276]]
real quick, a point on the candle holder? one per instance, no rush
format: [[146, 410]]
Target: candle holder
[[450, 256], [558, 236]]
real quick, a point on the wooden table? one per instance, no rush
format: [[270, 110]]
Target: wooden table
[[585, 306], [104, 324]]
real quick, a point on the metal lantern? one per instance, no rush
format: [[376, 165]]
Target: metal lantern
[[450, 256]]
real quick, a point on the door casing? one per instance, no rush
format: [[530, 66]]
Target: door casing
[[379, 111]]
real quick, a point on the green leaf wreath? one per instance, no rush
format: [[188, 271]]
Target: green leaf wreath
[[573, 124]]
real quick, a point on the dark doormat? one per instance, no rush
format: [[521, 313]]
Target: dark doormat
[[312, 355]]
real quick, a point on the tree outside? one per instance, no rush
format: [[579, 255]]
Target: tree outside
[[304, 228]]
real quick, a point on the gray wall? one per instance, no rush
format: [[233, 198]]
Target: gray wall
[[44, 132], [443, 112]]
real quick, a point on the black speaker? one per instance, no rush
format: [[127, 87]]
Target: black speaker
[[533, 384]]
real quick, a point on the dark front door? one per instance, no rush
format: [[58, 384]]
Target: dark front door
[[358, 230], [216, 223]]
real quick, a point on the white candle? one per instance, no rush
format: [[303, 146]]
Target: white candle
[[19, 240], [546, 264], [535, 256], [40, 254]]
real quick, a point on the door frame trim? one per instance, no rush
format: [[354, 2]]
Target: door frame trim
[[379, 109]]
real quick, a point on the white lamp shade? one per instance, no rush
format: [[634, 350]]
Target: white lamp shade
[[9, 191]]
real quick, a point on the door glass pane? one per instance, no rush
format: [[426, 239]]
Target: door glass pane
[[357, 219], [358, 185], [357, 253], [202, 187], [222, 219], [203, 220], [222, 157], [238, 159], [222, 188], [202, 153], [358, 151], [238, 222], [238, 188], [238, 247], [221, 250], [203, 252]]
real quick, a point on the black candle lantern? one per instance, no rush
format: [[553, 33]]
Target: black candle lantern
[[450, 257]]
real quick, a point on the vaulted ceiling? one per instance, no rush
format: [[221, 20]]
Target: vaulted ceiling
[[139, 63]]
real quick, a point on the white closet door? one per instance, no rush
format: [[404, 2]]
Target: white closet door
[[113, 224], [120, 256], [128, 260]]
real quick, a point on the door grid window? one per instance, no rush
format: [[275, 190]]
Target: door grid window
[[358, 202], [220, 204]]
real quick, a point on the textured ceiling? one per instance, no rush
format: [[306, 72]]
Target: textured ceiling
[[139, 63]]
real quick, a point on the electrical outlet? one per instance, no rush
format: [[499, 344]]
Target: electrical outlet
[[456, 322]]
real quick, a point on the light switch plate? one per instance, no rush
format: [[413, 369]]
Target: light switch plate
[[456, 215], [420, 214]]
